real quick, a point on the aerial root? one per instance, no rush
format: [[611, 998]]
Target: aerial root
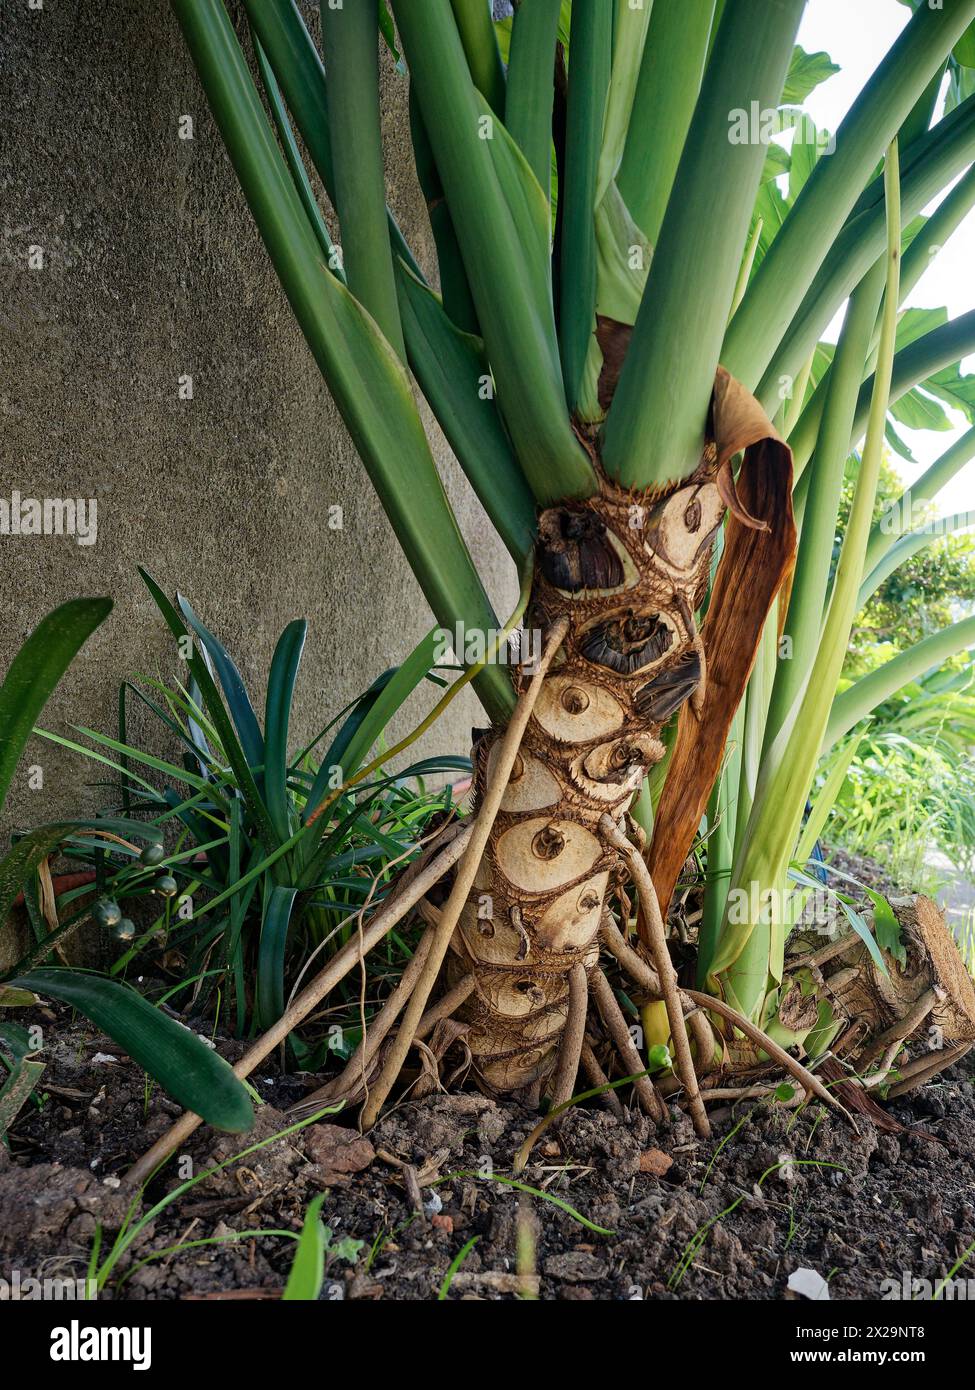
[[616, 1026], [924, 1069], [642, 974], [573, 1038], [598, 1079], [655, 936], [409, 1000], [463, 881]]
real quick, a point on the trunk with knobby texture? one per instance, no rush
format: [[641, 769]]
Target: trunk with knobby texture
[[628, 571]]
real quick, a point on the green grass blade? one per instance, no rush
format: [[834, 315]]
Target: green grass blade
[[654, 432], [307, 1272], [36, 670]]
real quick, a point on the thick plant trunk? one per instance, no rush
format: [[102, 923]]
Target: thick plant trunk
[[628, 574], [628, 571]]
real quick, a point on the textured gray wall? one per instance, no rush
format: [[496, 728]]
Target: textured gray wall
[[153, 269]]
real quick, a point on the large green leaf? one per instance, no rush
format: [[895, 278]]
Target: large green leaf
[[367, 380], [453, 375], [671, 68], [806, 72], [654, 432], [35, 671], [531, 86], [502, 220], [184, 1066], [349, 40], [784, 277]]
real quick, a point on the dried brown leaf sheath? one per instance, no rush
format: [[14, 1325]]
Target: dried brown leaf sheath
[[753, 567]]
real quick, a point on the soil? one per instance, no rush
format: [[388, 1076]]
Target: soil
[[775, 1190]]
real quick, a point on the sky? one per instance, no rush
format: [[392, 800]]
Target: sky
[[856, 34]]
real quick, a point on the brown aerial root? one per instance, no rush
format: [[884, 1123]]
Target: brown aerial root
[[616, 1026], [597, 1078], [573, 1038], [666, 974], [691, 999], [924, 1069], [463, 880]]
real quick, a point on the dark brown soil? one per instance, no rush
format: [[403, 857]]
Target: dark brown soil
[[889, 1205]]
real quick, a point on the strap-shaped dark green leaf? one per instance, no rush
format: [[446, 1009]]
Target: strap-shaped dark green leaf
[[192, 1073], [277, 718], [222, 722], [367, 721], [271, 954], [36, 670], [232, 682]]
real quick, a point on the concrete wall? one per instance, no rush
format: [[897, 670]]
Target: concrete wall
[[152, 270]]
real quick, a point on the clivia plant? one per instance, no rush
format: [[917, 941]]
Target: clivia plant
[[182, 1064]]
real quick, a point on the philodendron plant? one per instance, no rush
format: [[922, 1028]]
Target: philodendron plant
[[182, 1064], [621, 342]]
